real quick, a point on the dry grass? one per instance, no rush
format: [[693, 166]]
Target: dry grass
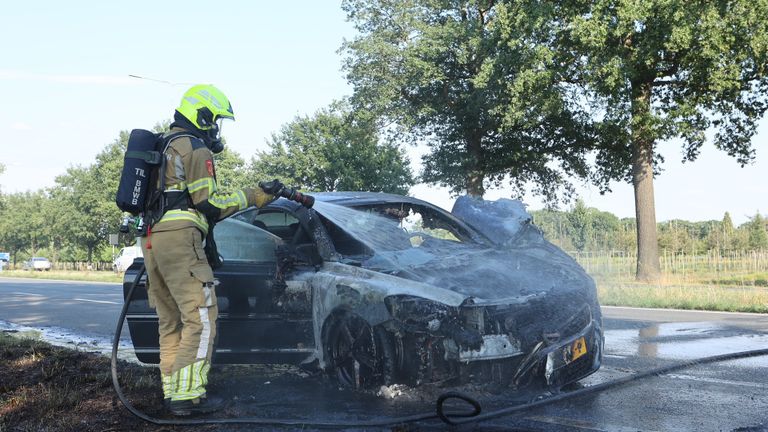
[[45, 388], [674, 294], [90, 276]]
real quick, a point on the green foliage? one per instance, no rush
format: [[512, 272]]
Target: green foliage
[[468, 79], [586, 229], [758, 236], [231, 172], [702, 65], [580, 221], [22, 224], [334, 150]]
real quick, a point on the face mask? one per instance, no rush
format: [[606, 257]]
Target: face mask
[[214, 138]]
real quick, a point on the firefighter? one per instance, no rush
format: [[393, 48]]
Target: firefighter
[[181, 285]]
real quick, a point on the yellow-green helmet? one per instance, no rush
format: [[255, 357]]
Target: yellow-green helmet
[[204, 105]]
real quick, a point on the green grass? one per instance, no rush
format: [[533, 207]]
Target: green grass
[[90, 276], [749, 279], [671, 295]]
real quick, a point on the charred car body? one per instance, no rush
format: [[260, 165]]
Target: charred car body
[[380, 288]]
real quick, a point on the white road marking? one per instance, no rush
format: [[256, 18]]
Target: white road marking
[[717, 381], [96, 301], [28, 294]]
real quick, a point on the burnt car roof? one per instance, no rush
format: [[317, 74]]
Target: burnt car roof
[[362, 199], [346, 198]]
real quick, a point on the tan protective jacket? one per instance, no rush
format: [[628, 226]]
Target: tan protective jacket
[[189, 165]]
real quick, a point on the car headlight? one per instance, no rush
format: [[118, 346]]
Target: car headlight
[[426, 314]]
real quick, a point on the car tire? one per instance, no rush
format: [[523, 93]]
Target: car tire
[[359, 356]]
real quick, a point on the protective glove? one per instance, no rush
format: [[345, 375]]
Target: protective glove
[[273, 187]]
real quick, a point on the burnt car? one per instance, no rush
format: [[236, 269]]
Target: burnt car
[[380, 289]]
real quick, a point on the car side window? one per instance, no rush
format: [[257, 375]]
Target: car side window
[[240, 241], [279, 223]]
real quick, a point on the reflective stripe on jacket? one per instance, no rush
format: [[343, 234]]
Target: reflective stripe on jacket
[[189, 165]]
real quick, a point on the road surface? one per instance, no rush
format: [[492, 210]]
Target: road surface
[[729, 396]]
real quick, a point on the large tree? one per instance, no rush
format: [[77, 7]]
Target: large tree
[[465, 78], [333, 150], [654, 70]]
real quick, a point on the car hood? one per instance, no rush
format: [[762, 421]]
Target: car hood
[[485, 274]]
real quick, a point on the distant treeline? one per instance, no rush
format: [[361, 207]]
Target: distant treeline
[[586, 229], [71, 221]]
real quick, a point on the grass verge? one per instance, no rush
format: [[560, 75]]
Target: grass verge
[[49, 388], [683, 296], [88, 276]]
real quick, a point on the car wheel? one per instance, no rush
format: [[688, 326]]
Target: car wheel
[[359, 356]]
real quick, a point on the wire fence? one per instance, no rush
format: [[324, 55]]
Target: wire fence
[[621, 263]]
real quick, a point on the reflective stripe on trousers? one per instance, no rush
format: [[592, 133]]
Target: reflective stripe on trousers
[[189, 382]]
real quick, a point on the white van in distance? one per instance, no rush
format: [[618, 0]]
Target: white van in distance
[[125, 258]]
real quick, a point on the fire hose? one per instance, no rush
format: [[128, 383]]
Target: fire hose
[[452, 418]]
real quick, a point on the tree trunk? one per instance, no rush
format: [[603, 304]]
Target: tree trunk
[[648, 268], [475, 177]]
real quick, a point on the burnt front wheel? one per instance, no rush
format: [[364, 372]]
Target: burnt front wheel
[[359, 356]]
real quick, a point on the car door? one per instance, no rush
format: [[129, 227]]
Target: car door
[[255, 324]]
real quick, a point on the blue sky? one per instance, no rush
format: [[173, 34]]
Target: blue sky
[[64, 75]]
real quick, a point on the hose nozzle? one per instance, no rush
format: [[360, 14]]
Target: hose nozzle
[[276, 188], [292, 194]]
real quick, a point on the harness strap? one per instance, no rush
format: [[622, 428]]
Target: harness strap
[[160, 202]]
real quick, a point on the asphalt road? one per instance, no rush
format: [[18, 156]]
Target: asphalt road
[[84, 308], [728, 396]]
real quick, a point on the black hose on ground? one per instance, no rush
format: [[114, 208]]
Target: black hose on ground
[[245, 420], [453, 418]]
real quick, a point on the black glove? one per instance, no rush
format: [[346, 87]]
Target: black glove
[[210, 249], [273, 187]]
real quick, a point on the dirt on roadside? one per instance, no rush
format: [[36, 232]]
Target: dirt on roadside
[[48, 388]]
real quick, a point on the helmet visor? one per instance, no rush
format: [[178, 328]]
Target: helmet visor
[[220, 125]]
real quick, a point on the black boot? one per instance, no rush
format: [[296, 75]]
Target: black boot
[[201, 405]]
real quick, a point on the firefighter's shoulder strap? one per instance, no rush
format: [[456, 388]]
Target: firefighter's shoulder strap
[[159, 201]]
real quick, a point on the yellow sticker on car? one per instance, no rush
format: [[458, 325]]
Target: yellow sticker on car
[[579, 348]]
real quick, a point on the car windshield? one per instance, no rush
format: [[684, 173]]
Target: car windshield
[[394, 235]]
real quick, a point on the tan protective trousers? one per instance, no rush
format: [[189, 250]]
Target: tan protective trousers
[[181, 289]]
